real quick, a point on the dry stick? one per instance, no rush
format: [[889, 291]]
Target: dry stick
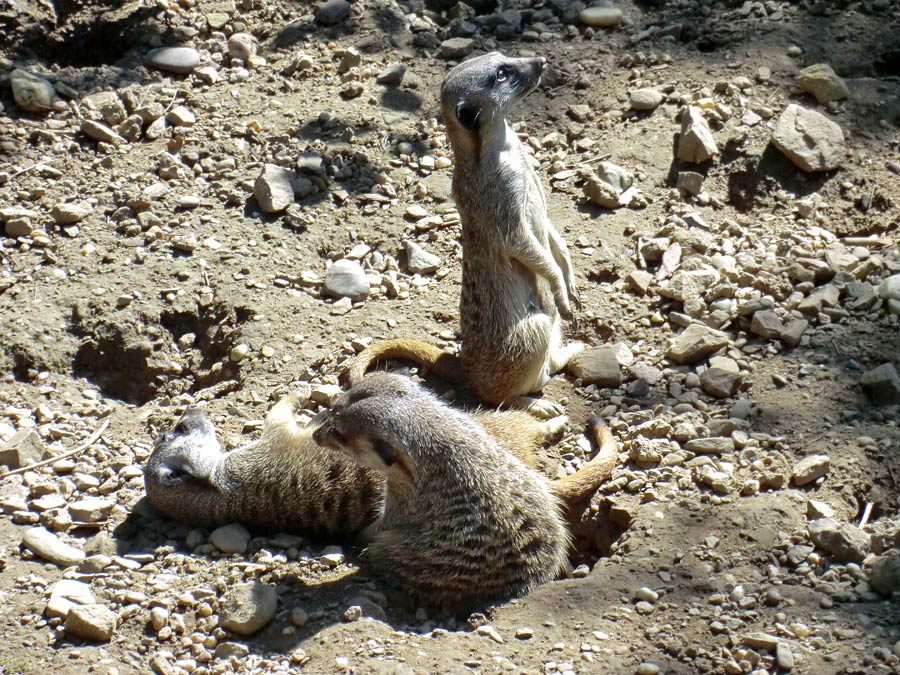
[[867, 512], [68, 453]]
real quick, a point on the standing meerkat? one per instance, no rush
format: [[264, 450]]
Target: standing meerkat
[[285, 481], [517, 276], [464, 521]]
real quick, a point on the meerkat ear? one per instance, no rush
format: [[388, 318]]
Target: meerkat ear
[[467, 115], [385, 452]]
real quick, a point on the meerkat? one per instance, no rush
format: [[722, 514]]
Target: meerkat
[[464, 521], [285, 481], [517, 276]]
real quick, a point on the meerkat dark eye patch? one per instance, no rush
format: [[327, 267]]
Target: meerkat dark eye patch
[[502, 75], [468, 115], [385, 452]]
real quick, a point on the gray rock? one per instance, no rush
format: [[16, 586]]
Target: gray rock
[[715, 445], [91, 509], [640, 281], [332, 12], [607, 185], [767, 324], [783, 656], [809, 139], [882, 384], [178, 60], [273, 189], [247, 608], [181, 116], [69, 213], [793, 331], [689, 284], [346, 279], [821, 81], [810, 469], [457, 48], [615, 176], [231, 538], [600, 17], [890, 288], [226, 650], [690, 182], [694, 343], [696, 143], [645, 99], [418, 260], [242, 46], [101, 132], [818, 509], [392, 75], [47, 545], [30, 92], [885, 574], [91, 622], [312, 163], [65, 595], [821, 298], [847, 543], [719, 382], [597, 365], [108, 104], [24, 448]]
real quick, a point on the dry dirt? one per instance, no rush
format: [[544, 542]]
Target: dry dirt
[[128, 320]]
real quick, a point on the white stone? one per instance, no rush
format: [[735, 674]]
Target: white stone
[[47, 545], [696, 143], [809, 139]]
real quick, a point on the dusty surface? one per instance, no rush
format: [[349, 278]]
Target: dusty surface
[[127, 317]]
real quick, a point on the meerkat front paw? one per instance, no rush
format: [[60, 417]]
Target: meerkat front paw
[[540, 407]]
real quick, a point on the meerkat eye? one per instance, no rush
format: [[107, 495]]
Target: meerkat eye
[[180, 428], [384, 452], [502, 74], [337, 436]]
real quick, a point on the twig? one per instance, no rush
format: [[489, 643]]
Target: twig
[[68, 453], [865, 516]]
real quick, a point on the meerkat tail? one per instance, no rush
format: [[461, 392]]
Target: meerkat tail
[[583, 483], [428, 356]]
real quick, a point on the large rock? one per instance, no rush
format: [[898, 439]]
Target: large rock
[[597, 365], [457, 47], [847, 543], [810, 469], [719, 382], [346, 279], [694, 343], [809, 139], [91, 509], [885, 575], [821, 81], [23, 449], [48, 546], [247, 608], [30, 92], [332, 12], [65, 595], [645, 99], [273, 189], [882, 384], [179, 60], [696, 143], [91, 622]]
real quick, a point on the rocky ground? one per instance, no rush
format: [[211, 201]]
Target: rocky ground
[[224, 222]]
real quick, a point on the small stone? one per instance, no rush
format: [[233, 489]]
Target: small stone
[[821, 81], [181, 116], [23, 449], [69, 214], [332, 12], [889, 289], [226, 650], [690, 182], [391, 75], [346, 279], [65, 595], [694, 343], [640, 281], [242, 46], [101, 132], [600, 17], [91, 509], [248, 607], [847, 543], [710, 446], [696, 143], [766, 324], [299, 617], [231, 538], [273, 189], [809, 139], [91, 622], [810, 469], [793, 331], [350, 58], [418, 260], [818, 509], [762, 641], [524, 633], [882, 384], [47, 545], [647, 668], [159, 618], [597, 365], [645, 99], [720, 383], [885, 575], [238, 352], [30, 92], [646, 594], [178, 60], [783, 656], [457, 48]]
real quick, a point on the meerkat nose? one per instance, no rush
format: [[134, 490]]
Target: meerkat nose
[[541, 61]]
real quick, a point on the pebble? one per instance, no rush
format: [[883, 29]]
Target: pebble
[[346, 279], [882, 384], [783, 656], [91, 509], [25, 447], [231, 538], [242, 46], [597, 365], [600, 17], [273, 189], [847, 543], [710, 446], [101, 132], [719, 382], [181, 116], [647, 668], [65, 594], [30, 92], [810, 469], [159, 618], [69, 213], [809, 139], [457, 48], [47, 545], [694, 343], [392, 75], [690, 182], [91, 622], [821, 81], [696, 143], [418, 260], [299, 617], [645, 99], [332, 12], [884, 576], [178, 60], [248, 607]]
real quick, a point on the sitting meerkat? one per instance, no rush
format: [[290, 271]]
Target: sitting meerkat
[[285, 482], [517, 277], [464, 521]]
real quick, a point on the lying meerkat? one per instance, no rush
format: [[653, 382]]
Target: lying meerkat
[[517, 277], [464, 521], [284, 481]]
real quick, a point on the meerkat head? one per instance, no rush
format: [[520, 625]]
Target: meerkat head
[[477, 94], [367, 423], [189, 451]]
